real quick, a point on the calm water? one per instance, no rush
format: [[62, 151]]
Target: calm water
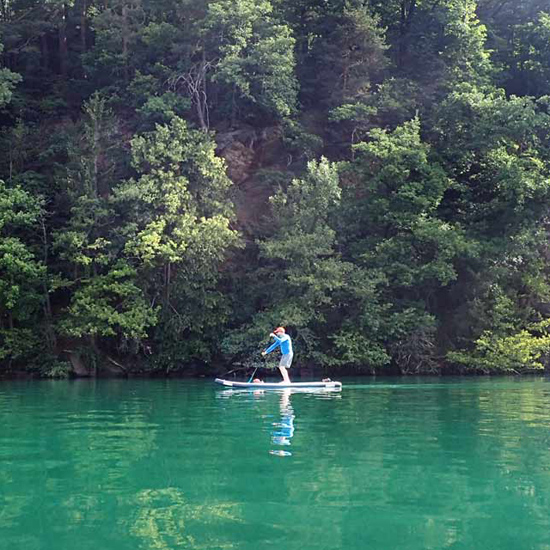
[[385, 464]]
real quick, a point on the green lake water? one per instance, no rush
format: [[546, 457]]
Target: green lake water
[[385, 464]]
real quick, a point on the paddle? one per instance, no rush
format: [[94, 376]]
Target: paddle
[[250, 379], [252, 376]]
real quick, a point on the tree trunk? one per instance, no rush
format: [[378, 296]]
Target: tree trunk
[[44, 51], [50, 333], [205, 123], [125, 41], [234, 106], [78, 365], [195, 81], [97, 146], [167, 282], [63, 46], [83, 26], [96, 355], [408, 8], [195, 86]]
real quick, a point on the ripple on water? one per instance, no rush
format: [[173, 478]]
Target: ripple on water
[[279, 452], [134, 466]]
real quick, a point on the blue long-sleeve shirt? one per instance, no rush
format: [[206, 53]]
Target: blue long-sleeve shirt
[[284, 341]]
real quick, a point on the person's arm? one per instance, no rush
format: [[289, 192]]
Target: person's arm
[[273, 346]]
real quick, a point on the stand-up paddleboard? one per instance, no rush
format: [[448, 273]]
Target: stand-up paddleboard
[[280, 385]]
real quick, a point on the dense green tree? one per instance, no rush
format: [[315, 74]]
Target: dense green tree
[[23, 278], [436, 41], [300, 269], [530, 57], [22, 275], [496, 150], [8, 80], [105, 300], [351, 58], [351, 55], [463, 49], [420, 245], [117, 25], [255, 60], [87, 182], [177, 233], [393, 194], [509, 27]]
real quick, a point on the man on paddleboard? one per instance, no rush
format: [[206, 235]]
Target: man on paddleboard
[[283, 340]]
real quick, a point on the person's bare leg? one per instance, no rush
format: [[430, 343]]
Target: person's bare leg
[[284, 374]]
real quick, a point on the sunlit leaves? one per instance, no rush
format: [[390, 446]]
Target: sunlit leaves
[[8, 80], [22, 274], [180, 198], [255, 52], [110, 305]]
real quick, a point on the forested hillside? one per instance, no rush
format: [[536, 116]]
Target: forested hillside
[[178, 177]]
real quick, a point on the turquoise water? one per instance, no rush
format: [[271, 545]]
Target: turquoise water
[[385, 464]]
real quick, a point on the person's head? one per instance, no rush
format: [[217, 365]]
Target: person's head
[[279, 331]]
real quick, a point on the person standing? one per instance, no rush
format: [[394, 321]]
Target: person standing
[[283, 341]]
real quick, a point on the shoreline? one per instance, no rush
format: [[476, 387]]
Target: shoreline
[[310, 374]]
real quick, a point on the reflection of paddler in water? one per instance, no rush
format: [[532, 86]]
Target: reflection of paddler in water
[[285, 428]]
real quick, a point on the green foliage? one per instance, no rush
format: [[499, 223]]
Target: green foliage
[[21, 274], [396, 100], [393, 193], [105, 300], [300, 142], [522, 351], [532, 53], [18, 345], [464, 41], [421, 242], [435, 38], [8, 80], [178, 202], [520, 36], [177, 234], [351, 54], [301, 268], [57, 370], [255, 55], [395, 217], [110, 305], [81, 241], [355, 348], [117, 28]]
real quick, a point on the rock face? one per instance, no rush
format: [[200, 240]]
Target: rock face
[[247, 151], [79, 368], [240, 161]]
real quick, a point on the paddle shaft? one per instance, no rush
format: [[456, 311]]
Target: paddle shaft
[[252, 376], [250, 379]]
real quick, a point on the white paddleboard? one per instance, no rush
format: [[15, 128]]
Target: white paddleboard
[[279, 385]]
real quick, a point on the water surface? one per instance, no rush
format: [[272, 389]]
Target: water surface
[[386, 464]]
